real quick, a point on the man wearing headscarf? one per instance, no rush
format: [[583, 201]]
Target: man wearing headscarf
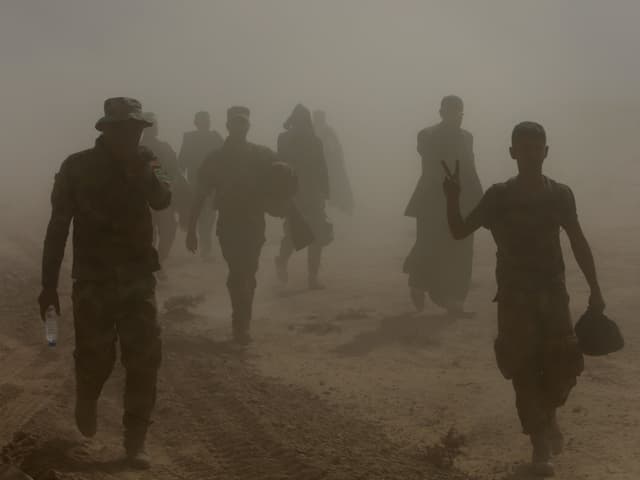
[[299, 147]]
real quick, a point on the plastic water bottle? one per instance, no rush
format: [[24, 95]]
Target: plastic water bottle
[[51, 326]]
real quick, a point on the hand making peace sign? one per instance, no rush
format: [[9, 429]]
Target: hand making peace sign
[[451, 184]]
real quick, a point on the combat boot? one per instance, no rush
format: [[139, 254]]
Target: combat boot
[[541, 464], [134, 438], [138, 460], [86, 413]]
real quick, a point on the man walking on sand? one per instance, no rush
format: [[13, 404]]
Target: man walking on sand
[[536, 347], [108, 192]]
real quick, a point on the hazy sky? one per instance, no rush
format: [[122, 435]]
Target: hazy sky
[[378, 67]]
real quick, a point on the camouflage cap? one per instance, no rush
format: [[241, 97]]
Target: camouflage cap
[[150, 117], [238, 112], [120, 109]]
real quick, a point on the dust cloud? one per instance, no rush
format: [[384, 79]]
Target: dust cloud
[[348, 359], [378, 68]]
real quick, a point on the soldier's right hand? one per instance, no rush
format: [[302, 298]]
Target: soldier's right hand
[[192, 241], [48, 297]]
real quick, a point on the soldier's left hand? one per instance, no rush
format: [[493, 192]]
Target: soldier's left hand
[[48, 298]]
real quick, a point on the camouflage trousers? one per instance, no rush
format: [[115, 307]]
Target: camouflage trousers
[[242, 254], [537, 350], [105, 312]]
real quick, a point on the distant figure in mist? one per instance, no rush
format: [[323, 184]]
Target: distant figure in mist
[[239, 173], [165, 221], [341, 193], [536, 347], [108, 192], [437, 264], [196, 145], [300, 148]]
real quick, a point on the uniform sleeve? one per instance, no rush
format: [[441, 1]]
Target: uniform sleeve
[[58, 228], [172, 162], [182, 155], [485, 212], [567, 208], [156, 184]]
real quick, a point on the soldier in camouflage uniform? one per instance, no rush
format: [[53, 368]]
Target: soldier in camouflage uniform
[[536, 347], [237, 173], [165, 221], [108, 192], [299, 147], [196, 145]]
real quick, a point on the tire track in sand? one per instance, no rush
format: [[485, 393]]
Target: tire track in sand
[[231, 423]]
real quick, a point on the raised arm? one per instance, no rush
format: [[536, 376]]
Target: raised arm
[[462, 227], [156, 185]]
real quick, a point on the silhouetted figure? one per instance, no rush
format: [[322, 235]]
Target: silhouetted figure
[[165, 221], [536, 347], [196, 145], [108, 191], [299, 147], [239, 173], [341, 193], [436, 264]]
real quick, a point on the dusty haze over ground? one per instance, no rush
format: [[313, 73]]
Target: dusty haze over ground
[[348, 382], [378, 67]]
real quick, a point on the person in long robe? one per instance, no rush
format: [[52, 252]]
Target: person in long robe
[[299, 148], [437, 264], [341, 191]]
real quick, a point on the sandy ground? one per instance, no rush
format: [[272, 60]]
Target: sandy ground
[[345, 383]]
